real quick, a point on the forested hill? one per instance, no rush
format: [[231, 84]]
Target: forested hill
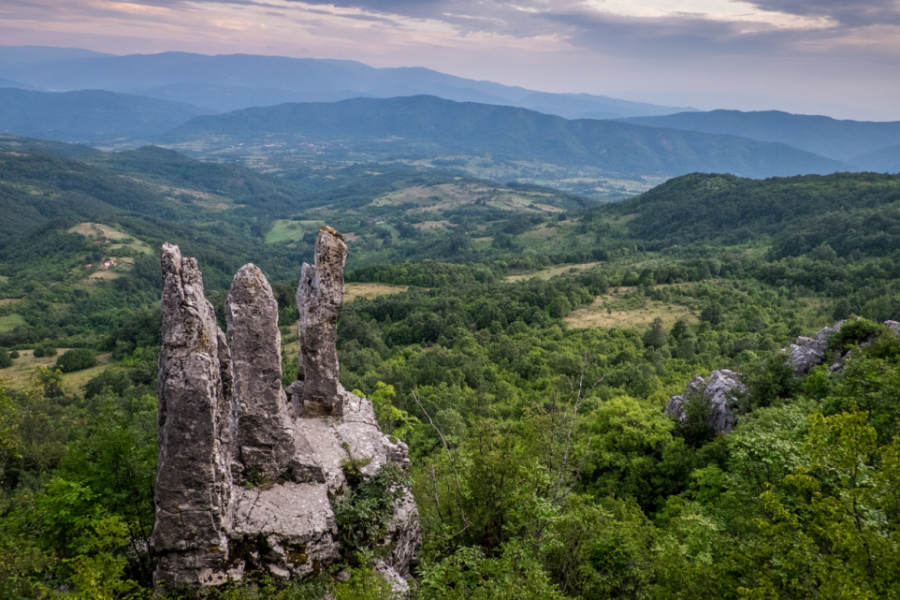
[[426, 126], [846, 210], [838, 139]]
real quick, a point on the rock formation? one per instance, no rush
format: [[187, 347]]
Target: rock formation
[[250, 474], [806, 353], [721, 391]]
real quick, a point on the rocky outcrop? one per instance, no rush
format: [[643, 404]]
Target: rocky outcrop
[[720, 392], [806, 353], [250, 472]]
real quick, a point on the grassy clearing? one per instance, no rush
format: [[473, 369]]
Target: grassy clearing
[[352, 291], [285, 230], [426, 199], [8, 301], [4, 279], [20, 374], [617, 310], [552, 271], [117, 240], [10, 322]]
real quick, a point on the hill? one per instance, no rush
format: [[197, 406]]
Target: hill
[[845, 210], [230, 82], [883, 160], [839, 140], [426, 126], [88, 116]]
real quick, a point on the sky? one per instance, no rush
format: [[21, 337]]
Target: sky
[[834, 57]]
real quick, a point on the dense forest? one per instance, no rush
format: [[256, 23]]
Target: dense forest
[[522, 342]]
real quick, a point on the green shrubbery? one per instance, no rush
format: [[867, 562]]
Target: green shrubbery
[[76, 359]]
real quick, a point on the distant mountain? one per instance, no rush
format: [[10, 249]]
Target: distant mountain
[[7, 83], [883, 160], [425, 126], [25, 56], [229, 82], [840, 140], [88, 116]]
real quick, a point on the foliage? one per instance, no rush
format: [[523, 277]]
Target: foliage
[[76, 359]]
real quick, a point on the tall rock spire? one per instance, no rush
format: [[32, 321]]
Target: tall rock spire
[[193, 485], [320, 297], [264, 445]]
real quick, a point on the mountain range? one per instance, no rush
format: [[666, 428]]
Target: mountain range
[[229, 82], [426, 126], [847, 141]]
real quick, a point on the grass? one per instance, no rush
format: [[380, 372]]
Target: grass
[[434, 198], [285, 230], [617, 310], [115, 238], [352, 291], [10, 322], [551, 271], [20, 374], [4, 279], [8, 301]]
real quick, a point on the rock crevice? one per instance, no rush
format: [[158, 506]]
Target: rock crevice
[[248, 470]]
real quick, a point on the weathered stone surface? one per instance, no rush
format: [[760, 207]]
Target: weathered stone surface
[[320, 296], [721, 391], [193, 484], [264, 443], [287, 529], [893, 326], [248, 469]]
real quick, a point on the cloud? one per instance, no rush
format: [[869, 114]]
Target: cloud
[[853, 13]]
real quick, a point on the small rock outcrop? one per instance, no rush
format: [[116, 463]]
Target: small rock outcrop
[[250, 473], [724, 386], [721, 392], [806, 353]]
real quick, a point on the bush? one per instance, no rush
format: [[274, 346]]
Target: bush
[[44, 350], [14, 354], [76, 359], [5, 360]]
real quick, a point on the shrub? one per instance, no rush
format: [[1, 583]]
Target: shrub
[[5, 360], [76, 359]]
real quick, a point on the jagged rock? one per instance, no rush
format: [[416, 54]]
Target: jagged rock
[[248, 470], [721, 391], [893, 326], [264, 444], [320, 296], [807, 353], [193, 484]]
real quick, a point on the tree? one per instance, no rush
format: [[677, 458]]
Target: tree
[[656, 336], [712, 314], [76, 359], [5, 360]]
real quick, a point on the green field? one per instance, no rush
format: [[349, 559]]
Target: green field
[[285, 230], [10, 322]]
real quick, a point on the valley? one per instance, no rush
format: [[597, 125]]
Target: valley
[[581, 347]]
